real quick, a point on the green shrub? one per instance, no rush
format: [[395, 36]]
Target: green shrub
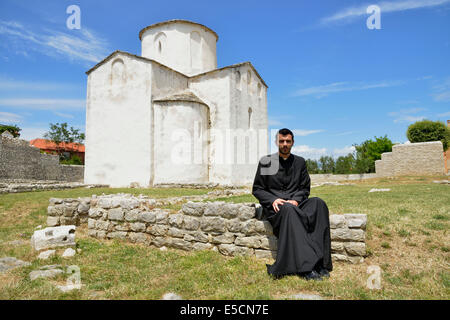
[[427, 130]]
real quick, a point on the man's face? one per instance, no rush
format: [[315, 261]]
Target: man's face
[[285, 143]]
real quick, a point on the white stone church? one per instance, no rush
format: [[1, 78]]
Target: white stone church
[[171, 116]]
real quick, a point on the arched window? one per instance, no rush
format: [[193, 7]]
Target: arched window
[[259, 90], [160, 44], [249, 117], [238, 80], [117, 72]]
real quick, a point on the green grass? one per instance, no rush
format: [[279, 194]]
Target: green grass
[[406, 236]]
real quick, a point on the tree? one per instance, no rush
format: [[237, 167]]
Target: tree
[[345, 164], [59, 134], [369, 151], [14, 130], [427, 130], [326, 164], [312, 166]]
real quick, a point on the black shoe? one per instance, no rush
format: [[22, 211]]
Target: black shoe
[[312, 275], [323, 272]]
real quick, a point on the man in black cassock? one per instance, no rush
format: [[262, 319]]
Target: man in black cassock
[[301, 224]]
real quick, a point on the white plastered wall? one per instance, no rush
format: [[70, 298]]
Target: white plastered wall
[[184, 47], [249, 118], [118, 123]]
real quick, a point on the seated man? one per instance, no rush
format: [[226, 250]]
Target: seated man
[[282, 186]]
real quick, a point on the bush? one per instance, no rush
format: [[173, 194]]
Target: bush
[[76, 160], [427, 130]]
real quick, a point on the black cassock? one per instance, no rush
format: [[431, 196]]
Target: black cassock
[[303, 231]]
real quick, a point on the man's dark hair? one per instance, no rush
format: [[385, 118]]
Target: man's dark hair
[[283, 132]]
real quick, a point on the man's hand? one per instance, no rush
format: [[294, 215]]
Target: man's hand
[[277, 203], [295, 203]]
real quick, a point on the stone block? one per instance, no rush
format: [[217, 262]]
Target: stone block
[[176, 220], [198, 236], [347, 234], [355, 248], [246, 213], [148, 216], [133, 215], [251, 242], [157, 230], [115, 214], [137, 227], [193, 208], [269, 243], [201, 246], [52, 221], [162, 217], [116, 235], [337, 221], [191, 223], [53, 237], [213, 224], [138, 237], [223, 238], [175, 232]]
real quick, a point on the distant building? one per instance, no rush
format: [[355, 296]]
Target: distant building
[[68, 149]]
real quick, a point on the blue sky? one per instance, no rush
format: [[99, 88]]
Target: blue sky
[[331, 78]]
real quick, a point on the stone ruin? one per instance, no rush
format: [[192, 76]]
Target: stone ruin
[[229, 228]]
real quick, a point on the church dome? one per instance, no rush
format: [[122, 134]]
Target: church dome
[[182, 45]]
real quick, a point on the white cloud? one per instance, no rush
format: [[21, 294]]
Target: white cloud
[[8, 117], [351, 13], [44, 104], [32, 133], [8, 84], [337, 152], [445, 114], [407, 115], [308, 152], [325, 90], [64, 115], [82, 45], [302, 133]]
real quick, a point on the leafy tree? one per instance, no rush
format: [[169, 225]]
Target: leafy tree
[[14, 130], [312, 166], [369, 151], [59, 133], [427, 130], [326, 164], [345, 164]]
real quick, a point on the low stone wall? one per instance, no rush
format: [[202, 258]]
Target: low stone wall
[[21, 185], [422, 158], [229, 228], [317, 178], [19, 160]]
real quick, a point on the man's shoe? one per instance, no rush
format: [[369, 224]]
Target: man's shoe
[[312, 275], [323, 273]]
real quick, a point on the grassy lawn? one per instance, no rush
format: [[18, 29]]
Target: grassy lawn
[[407, 237]]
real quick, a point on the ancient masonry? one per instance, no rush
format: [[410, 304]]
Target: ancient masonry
[[421, 158], [19, 160], [229, 228]]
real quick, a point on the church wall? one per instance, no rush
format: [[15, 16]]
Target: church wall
[[166, 81], [249, 118], [180, 142], [118, 123], [185, 47], [214, 89]]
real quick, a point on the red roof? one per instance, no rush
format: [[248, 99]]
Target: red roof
[[44, 144]]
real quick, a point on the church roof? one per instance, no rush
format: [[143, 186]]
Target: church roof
[[185, 95], [159, 63], [177, 21]]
